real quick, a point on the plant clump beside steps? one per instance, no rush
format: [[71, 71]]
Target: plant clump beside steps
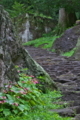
[[20, 97], [23, 100]]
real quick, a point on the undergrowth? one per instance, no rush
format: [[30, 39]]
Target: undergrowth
[[69, 53], [24, 101], [43, 42], [42, 112], [47, 43]]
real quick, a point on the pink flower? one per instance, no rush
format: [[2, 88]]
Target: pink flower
[[23, 81], [31, 76], [23, 92], [26, 89], [18, 71], [35, 81], [18, 96], [4, 97], [9, 86], [5, 91], [2, 101], [11, 90], [16, 104]]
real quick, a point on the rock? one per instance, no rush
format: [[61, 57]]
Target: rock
[[77, 22], [67, 77], [12, 53], [68, 40], [76, 54], [64, 71], [33, 27], [71, 111], [77, 117]]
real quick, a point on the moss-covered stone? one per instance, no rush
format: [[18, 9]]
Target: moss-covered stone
[[12, 53]]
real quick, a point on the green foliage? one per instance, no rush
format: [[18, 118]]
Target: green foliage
[[20, 97], [24, 101], [44, 42], [37, 115], [46, 7], [7, 4], [17, 9], [59, 30], [69, 53], [17, 14], [42, 112]]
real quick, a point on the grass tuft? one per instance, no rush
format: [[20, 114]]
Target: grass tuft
[[43, 42], [69, 53]]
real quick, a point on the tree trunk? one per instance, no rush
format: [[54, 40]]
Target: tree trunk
[[62, 17], [66, 19], [12, 53]]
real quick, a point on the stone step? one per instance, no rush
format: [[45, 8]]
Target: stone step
[[64, 71], [69, 111]]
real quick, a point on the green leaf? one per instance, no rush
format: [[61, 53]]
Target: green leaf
[[15, 111], [6, 112], [1, 110], [1, 94], [9, 97], [25, 113], [32, 102], [24, 107], [10, 101], [15, 89], [21, 107]]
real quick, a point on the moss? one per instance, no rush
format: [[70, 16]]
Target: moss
[[69, 53]]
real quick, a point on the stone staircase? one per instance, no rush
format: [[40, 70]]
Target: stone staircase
[[64, 71]]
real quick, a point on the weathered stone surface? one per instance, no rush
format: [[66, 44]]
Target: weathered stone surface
[[71, 111], [77, 50], [66, 74], [77, 22], [34, 27], [77, 117], [67, 77], [68, 40], [12, 53]]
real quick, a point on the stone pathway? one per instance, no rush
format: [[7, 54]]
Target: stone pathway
[[65, 72]]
